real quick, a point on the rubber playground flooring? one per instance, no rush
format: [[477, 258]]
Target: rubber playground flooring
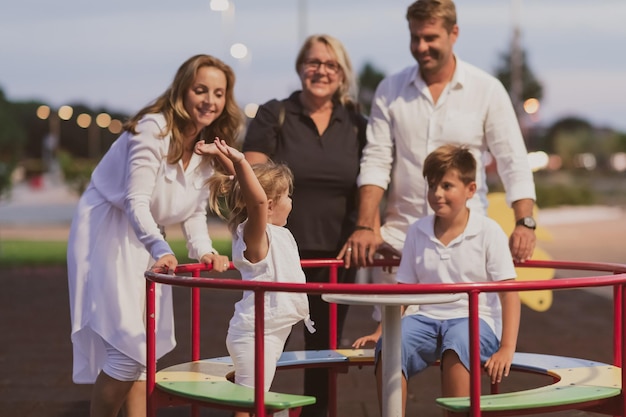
[[35, 355]]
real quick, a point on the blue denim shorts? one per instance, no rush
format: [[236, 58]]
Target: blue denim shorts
[[425, 339]]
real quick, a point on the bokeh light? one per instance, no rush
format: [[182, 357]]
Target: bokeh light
[[239, 51], [250, 110], [83, 120], [618, 161], [43, 112], [531, 106], [219, 5], [65, 112], [555, 162], [585, 160], [103, 120], [538, 160], [115, 127]]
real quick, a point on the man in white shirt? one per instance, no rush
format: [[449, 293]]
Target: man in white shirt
[[440, 100]]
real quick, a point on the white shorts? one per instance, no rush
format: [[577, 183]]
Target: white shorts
[[121, 367], [241, 350]]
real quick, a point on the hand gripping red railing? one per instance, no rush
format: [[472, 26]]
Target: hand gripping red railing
[[196, 282]]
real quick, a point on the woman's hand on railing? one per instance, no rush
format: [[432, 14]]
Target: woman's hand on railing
[[166, 264], [220, 262]]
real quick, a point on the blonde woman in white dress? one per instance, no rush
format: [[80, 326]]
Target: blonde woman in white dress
[[150, 178]]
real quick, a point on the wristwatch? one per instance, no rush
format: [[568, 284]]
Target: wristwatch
[[527, 222]]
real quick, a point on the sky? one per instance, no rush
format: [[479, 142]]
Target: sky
[[122, 54]]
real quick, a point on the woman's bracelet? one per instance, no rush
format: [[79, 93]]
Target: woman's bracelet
[[359, 227]]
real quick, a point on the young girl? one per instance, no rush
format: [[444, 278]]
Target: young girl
[[258, 199]]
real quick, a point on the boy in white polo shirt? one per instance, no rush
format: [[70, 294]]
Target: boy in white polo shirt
[[455, 245]]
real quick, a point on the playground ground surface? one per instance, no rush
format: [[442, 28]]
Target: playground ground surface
[[36, 356]]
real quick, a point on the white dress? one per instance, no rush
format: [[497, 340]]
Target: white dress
[[115, 238]]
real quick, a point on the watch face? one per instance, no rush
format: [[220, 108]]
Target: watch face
[[529, 222]]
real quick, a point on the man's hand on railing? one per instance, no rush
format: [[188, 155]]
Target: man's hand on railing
[[359, 249]]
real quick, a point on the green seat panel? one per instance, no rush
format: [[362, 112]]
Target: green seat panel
[[548, 396], [229, 394]]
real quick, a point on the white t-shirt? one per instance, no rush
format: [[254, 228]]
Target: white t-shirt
[[480, 254], [282, 264]]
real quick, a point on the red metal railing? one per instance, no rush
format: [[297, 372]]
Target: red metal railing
[[196, 282]]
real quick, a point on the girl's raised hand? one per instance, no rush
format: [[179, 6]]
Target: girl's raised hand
[[203, 148], [231, 153], [218, 149]]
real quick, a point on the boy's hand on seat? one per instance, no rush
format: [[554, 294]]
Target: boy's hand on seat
[[499, 365], [362, 341]]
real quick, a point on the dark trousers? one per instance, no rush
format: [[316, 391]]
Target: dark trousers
[[316, 379]]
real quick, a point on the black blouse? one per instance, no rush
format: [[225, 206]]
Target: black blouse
[[325, 167]]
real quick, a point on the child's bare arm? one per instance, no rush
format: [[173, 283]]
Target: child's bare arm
[[499, 364], [255, 200]]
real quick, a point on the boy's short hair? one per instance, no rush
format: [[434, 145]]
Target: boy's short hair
[[447, 157]]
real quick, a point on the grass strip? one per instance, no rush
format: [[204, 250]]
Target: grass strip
[[18, 253]]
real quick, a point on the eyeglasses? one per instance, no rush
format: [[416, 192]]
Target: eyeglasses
[[315, 64]]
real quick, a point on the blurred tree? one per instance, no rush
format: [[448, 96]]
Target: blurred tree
[[605, 143], [568, 138], [76, 171], [36, 130], [369, 77], [620, 142], [531, 86], [22, 135], [12, 139]]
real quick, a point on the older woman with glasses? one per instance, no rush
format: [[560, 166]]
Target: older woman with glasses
[[319, 133]]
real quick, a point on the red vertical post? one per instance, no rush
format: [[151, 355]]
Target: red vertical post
[[332, 312], [332, 337], [259, 352], [474, 338], [151, 348], [195, 330], [195, 319], [618, 306], [622, 349]]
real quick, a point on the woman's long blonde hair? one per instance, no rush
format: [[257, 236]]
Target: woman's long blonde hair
[[226, 195], [171, 104]]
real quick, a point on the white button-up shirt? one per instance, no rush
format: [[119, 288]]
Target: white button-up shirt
[[406, 125]]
